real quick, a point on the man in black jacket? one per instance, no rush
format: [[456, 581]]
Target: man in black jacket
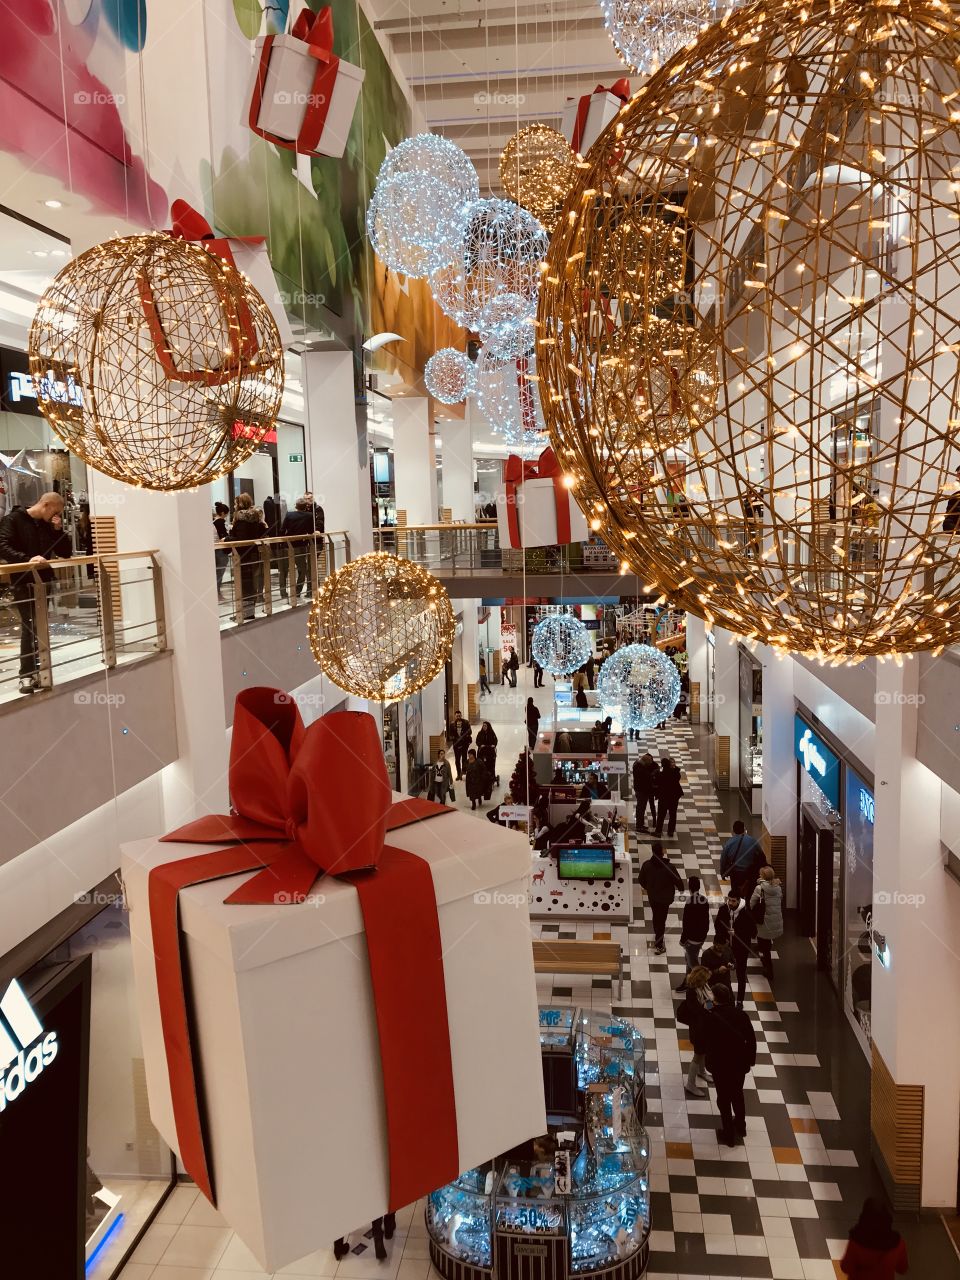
[[646, 775], [669, 793], [32, 535], [736, 927], [695, 925], [731, 1051], [661, 880], [459, 736]]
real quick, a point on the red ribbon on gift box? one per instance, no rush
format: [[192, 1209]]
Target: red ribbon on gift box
[[620, 89], [309, 802], [546, 467], [190, 224], [316, 31]]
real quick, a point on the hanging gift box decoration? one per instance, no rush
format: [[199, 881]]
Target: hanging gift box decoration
[[247, 253], [303, 96], [534, 505], [585, 118], [316, 987]]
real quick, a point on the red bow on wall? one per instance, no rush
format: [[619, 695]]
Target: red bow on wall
[[546, 467], [292, 823], [620, 89], [316, 31]]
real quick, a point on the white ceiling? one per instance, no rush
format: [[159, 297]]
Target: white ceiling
[[481, 69]]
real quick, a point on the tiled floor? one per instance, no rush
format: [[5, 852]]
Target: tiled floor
[[779, 1207]]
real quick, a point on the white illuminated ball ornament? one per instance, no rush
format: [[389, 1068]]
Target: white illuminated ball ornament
[[561, 644], [449, 375], [639, 685]]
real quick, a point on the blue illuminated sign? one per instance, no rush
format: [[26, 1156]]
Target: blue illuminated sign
[[818, 760]]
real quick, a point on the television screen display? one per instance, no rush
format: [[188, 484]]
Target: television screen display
[[381, 466], [585, 861]]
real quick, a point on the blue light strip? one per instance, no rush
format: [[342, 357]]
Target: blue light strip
[[104, 1242]]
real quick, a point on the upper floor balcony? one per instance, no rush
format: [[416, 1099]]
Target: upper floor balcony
[[470, 560]]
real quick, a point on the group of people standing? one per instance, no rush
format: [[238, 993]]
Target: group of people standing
[[476, 765], [250, 524], [658, 787]]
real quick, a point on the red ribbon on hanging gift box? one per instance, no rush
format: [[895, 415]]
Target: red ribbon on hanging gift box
[[290, 825], [620, 89], [546, 467], [316, 32], [190, 224]]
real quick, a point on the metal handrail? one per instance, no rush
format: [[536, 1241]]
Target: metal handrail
[[252, 578], [107, 638]]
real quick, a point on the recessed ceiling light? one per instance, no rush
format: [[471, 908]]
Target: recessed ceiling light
[[58, 253], [39, 253], [53, 204]]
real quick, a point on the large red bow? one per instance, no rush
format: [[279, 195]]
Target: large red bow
[[620, 89], [316, 32], [546, 467], [309, 801]]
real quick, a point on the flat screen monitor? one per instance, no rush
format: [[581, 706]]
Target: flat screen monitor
[[585, 861], [381, 466]]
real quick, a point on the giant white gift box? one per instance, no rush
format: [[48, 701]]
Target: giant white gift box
[[537, 515], [254, 261], [603, 108], [288, 88], [287, 1037]]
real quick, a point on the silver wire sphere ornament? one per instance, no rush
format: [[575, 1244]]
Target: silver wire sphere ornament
[[506, 393], [639, 686], [507, 326], [421, 189], [647, 33], [561, 644], [449, 375], [499, 250]]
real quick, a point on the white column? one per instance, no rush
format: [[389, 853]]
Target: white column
[[177, 525], [470, 665], [779, 763], [432, 706], [338, 459], [458, 492], [727, 698], [414, 460], [697, 658], [915, 1005]]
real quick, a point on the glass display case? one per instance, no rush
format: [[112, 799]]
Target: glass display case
[[576, 1201]]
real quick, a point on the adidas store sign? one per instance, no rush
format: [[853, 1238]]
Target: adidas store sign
[[24, 1049]]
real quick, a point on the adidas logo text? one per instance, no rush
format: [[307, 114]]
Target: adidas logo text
[[24, 1049]]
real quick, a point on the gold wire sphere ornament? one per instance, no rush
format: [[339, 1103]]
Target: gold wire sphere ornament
[[537, 169], [809, 154], [382, 627], [156, 362]]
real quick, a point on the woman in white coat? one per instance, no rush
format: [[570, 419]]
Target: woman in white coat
[[769, 891]]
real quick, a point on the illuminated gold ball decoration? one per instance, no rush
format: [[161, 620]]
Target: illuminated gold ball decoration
[[381, 627], [537, 169], [809, 154], [175, 358]]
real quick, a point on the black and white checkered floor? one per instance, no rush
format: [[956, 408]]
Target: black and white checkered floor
[[781, 1205]]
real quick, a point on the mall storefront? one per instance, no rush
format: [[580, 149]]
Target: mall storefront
[[75, 1133], [835, 842]]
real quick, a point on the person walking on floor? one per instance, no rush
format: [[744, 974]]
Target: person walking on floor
[[441, 779], [741, 859], [512, 667], [476, 779], [533, 722], [459, 736], [487, 754], [646, 774], [589, 668], [695, 925], [736, 928], [874, 1250], [766, 906], [669, 795], [661, 880], [484, 682], [537, 675], [694, 1013], [731, 1051]]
